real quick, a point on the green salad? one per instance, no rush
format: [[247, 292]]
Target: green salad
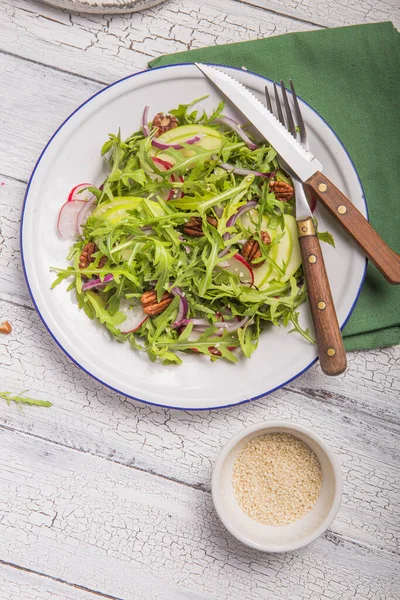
[[190, 244]]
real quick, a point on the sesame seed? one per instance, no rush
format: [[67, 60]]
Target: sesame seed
[[276, 479]]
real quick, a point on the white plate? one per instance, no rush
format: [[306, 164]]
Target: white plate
[[104, 6], [73, 155]]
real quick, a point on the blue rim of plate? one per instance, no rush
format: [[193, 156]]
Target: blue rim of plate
[[40, 314]]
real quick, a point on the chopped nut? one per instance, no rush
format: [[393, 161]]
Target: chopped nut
[[251, 249], [151, 306], [283, 191], [87, 257], [164, 123], [194, 227], [266, 238], [5, 327]]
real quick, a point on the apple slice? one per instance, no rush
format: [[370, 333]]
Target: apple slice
[[262, 275], [135, 317], [250, 218], [210, 139], [237, 265], [294, 261]]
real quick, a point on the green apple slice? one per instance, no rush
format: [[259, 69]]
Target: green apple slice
[[294, 261], [117, 209], [211, 139]]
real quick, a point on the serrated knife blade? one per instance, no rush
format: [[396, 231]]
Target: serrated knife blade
[[301, 161]]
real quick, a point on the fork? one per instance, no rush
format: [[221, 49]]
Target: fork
[[332, 355]]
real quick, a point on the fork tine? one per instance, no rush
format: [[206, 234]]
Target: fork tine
[[288, 111], [299, 117], [278, 105], [268, 99]]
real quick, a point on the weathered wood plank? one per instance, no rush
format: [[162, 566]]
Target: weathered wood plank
[[19, 584], [132, 535], [109, 47], [184, 446], [332, 13], [35, 101]]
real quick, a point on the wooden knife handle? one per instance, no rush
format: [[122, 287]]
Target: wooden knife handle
[[383, 257], [332, 355]]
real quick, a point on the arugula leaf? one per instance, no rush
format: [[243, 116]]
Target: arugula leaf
[[20, 399], [327, 237]]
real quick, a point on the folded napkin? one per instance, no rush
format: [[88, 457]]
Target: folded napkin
[[351, 76]]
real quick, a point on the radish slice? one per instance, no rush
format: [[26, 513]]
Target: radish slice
[[135, 317], [84, 214], [67, 218], [162, 165], [175, 193], [77, 192], [237, 265]]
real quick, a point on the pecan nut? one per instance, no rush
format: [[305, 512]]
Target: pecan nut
[[164, 123], [86, 257], [194, 227], [265, 237], [5, 327], [251, 249], [283, 191], [151, 306]]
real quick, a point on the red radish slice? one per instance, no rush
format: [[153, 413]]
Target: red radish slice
[[135, 317], [162, 165], [237, 265], [67, 218], [175, 193], [77, 192]]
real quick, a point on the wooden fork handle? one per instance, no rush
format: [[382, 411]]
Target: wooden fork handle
[[332, 355], [383, 257]]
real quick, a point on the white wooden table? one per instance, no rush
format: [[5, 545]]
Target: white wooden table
[[101, 497]]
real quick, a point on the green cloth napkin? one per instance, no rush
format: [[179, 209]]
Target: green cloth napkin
[[351, 76]]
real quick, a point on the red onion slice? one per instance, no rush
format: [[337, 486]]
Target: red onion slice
[[232, 220], [97, 283], [243, 209], [232, 124], [145, 120], [218, 211], [183, 305], [232, 325], [238, 171], [161, 146]]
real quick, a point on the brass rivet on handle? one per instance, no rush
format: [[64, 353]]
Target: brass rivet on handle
[[341, 209], [304, 229], [321, 305], [312, 259], [331, 352], [322, 187]]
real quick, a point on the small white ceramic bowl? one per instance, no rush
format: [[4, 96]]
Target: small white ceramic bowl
[[268, 538]]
